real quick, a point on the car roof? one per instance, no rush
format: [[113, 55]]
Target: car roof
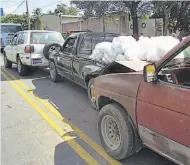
[[47, 31], [16, 24], [90, 34]]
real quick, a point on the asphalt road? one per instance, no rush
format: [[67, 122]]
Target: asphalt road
[[46, 123]]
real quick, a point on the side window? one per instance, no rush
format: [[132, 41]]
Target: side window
[[14, 40], [69, 45], [177, 71], [86, 46], [20, 36]]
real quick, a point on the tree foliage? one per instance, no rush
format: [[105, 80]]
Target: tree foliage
[[64, 9], [36, 15], [176, 14], [14, 18], [163, 8], [100, 8], [180, 16]]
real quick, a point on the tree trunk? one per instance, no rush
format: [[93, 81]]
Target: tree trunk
[[103, 21], [166, 19], [135, 18], [135, 25]]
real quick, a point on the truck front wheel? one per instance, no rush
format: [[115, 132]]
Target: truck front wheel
[[116, 132], [91, 93]]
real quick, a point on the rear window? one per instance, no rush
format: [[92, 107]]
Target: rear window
[[89, 42], [10, 28], [45, 37]]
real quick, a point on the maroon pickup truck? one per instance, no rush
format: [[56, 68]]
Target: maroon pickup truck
[[149, 107]]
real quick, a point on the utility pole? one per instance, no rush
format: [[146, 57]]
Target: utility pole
[[28, 15]]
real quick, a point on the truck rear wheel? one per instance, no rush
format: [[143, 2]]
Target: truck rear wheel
[[55, 77], [116, 132]]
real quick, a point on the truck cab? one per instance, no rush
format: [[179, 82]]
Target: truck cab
[[148, 107]]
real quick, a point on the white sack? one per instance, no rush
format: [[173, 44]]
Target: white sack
[[127, 48], [120, 57]]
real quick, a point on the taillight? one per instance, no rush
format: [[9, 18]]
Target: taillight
[[29, 49]]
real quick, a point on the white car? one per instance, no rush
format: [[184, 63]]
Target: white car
[[30, 49]]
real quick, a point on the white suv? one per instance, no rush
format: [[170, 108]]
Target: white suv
[[29, 48]]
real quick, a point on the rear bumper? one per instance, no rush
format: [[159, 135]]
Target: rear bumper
[[35, 60]]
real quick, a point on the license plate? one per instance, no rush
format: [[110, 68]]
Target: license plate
[[37, 61]]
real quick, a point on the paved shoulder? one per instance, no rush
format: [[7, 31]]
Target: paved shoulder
[[26, 138]]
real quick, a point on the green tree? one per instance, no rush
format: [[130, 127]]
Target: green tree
[[96, 8], [20, 19], [61, 8], [72, 10], [14, 18], [163, 9], [180, 16], [137, 9], [64, 9], [100, 8], [36, 15]]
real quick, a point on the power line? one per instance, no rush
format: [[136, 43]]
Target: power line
[[50, 4], [19, 6], [7, 1]]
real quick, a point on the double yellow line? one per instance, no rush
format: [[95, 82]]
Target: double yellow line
[[34, 101]]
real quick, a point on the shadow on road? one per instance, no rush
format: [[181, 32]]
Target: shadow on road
[[72, 102], [33, 73]]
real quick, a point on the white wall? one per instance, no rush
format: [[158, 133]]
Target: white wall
[[154, 27]]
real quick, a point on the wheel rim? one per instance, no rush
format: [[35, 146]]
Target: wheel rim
[[53, 48], [52, 70], [19, 67], [110, 132], [5, 60]]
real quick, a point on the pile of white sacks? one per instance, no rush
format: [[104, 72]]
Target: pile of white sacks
[[127, 48]]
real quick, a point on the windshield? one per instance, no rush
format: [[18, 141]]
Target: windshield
[[10, 28], [182, 59], [45, 37]]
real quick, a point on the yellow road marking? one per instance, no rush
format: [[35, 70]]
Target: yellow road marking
[[73, 144], [80, 133]]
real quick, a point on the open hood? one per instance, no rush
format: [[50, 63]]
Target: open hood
[[134, 65]]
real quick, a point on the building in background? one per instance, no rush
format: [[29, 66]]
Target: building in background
[[113, 23], [119, 23], [54, 22], [148, 27]]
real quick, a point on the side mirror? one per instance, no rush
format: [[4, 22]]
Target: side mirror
[[149, 73]]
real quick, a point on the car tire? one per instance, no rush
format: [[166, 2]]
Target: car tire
[[22, 69], [92, 100], [116, 132], [49, 48], [7, 63], [55, 77]]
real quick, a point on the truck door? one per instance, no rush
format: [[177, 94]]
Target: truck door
[[163, 112], [64, 58], [81, 59]]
